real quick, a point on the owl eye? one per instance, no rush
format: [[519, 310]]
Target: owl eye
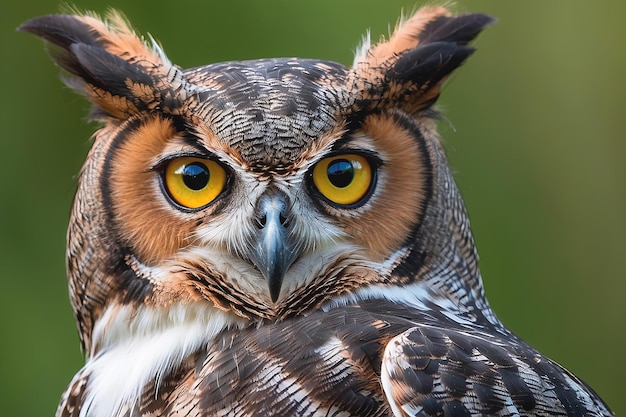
[[194, 182], [343, 179]]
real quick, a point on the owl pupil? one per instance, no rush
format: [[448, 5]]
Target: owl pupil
[[196, 176], [340, 173]]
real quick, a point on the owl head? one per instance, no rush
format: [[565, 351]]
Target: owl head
[[259, 190]]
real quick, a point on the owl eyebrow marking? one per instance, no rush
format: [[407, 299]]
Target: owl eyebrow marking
[[350, 142], [191, 146], [195, 142], [343, 141], [162, 161], [369, 154]]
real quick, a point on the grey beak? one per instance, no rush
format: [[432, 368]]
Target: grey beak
[[274, 253]]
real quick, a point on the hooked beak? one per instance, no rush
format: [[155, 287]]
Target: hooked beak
[[274, 252]]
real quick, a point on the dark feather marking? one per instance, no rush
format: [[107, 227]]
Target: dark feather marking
[[458, 29], [133, 288], [487, 397], [107, 71], [81, 51], [431, 406], [104, 179], [429, 64], [496, 354], [521, 395], [416, 258], [564, 392], [453, 378], [79, 44], [455, 408], [435, 341], [509, 371], [415, 77], [62, 30]]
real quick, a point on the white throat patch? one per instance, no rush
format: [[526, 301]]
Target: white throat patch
[[135, 347]]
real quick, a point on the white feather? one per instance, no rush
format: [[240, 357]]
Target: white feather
[[135, 347], [360, 54]]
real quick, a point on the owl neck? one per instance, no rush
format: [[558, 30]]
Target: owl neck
[[442, 249]]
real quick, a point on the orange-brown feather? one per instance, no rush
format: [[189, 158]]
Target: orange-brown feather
[[406, 35], [402, 189], [120, 38], [146, 222]]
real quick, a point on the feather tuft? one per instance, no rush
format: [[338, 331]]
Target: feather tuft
[[116, 69], [407, 70]]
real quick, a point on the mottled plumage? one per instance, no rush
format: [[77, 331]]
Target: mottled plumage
[[283, 237]]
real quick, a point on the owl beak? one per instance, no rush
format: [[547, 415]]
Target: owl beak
[[274, 253]]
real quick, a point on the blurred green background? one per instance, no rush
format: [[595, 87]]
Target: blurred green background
[[534, 129]]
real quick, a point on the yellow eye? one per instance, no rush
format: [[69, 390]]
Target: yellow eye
[[343, 179], [194, 182]]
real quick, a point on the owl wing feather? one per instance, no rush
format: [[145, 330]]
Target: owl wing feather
[[436, 370]]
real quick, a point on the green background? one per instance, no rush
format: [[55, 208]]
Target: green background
[[534, 129]]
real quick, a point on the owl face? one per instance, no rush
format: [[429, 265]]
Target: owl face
[[298, 201], [258, 189]]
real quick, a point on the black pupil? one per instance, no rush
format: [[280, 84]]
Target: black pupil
[[196, 176], [340, 173]]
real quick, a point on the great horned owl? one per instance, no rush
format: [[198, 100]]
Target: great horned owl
[[283, 237]]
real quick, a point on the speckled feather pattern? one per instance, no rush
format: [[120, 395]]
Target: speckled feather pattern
[[381, 313]]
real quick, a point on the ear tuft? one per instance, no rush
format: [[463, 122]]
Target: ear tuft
[[407, 71], [109, 63]]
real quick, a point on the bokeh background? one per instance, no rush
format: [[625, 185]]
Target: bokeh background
[[534, 129]]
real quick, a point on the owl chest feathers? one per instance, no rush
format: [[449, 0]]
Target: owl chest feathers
[[137, 348]]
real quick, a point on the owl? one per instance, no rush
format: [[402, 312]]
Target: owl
[[283, 237]]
